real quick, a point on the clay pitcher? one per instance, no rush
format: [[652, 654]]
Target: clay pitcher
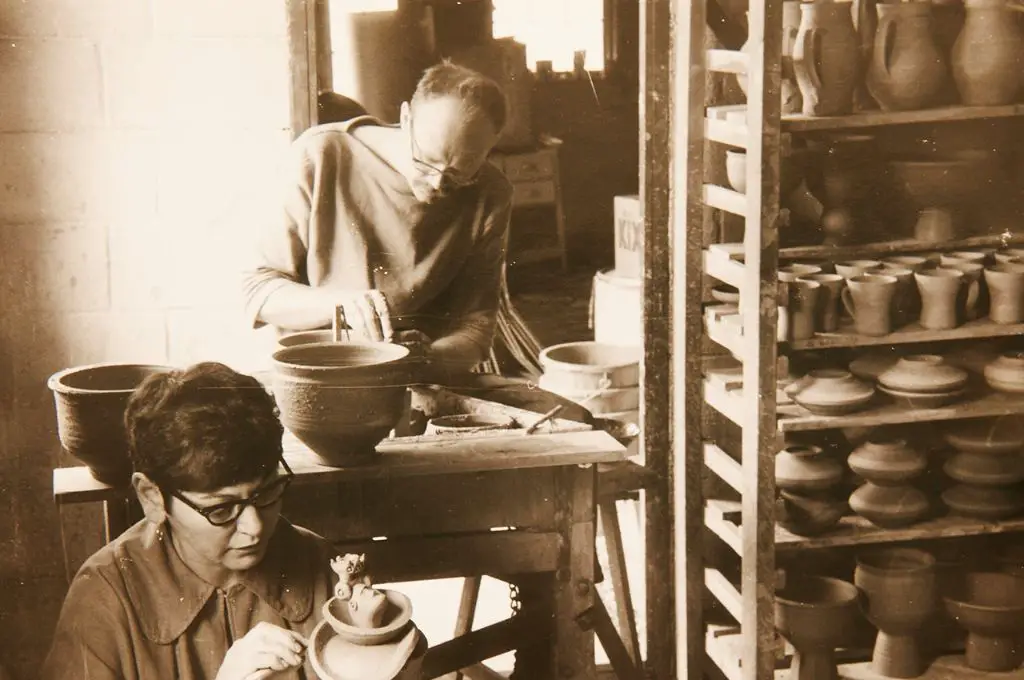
[[989, 55], [865, 20], [826, 58], [907, 70]]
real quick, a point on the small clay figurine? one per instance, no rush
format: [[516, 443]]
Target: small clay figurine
[[367, 606], [350, 571]]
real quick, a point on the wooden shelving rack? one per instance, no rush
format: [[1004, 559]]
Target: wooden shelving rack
[[745, 394]]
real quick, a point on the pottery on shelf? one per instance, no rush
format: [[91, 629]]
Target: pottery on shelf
[[826, 58], [899, 587], [1002, 434], [889, 507], [806, 468], [342, 398], [850, 268], [907, 72], [1006, 292], [1006, 373], [988, 56], [809, 514], [990, 606], [816, 614], [792, 102], [868, 298], [924, 399], [985, 502], [873, 363], [827, 311], [938, 187], [929, 373], [830, 392], [887, 462], [90, 402], [985, 469]]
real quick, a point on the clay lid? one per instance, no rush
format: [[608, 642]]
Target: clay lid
[[923, 373]]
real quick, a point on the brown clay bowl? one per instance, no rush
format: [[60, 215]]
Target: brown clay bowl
[[816, 612], [397, 614], [341, 399], [90, 403], [991, 607], [304, 338]]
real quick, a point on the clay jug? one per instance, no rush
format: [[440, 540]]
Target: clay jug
[[826, 58], [907, 70], [987, 57], [865, 20], [792, 102]]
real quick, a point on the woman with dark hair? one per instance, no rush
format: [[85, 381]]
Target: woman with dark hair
[[213, 583]]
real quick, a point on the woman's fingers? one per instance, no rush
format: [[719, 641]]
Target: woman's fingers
[[367, 314]]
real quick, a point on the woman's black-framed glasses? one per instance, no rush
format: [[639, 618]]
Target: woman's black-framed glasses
[[225, 513], [447, 177]]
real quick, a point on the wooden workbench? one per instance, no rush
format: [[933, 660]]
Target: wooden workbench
[[506, 506]]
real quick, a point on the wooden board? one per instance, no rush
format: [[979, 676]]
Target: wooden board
[[397, 459], [943, 668], [846, 336], [434, 401], [943, 114]]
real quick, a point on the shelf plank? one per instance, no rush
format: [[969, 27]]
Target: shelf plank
[[981, 404], [726, 132], [727, 61], [725, 199], [846, 336], [944, 114], [900, 246], [720, 263], [725, 466], [855, 530], [728, 402], [950, 667]]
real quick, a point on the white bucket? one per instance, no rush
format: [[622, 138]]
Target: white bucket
[[616, 309]]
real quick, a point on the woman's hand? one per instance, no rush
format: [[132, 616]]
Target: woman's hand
[[263, 651], [366, 313]]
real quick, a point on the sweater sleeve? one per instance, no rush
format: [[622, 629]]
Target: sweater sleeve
[[473, 301], [92, 640], [280, 253]]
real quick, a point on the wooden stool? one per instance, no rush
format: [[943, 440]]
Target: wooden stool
[[615, 481], [536, 181]]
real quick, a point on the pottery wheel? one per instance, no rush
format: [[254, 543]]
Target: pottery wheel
[[334, 659]]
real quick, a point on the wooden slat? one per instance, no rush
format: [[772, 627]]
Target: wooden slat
[[728, 531], [846, 335], [726, 132], [723, 465], [727, 61], [719, 264], [902, 246], [398, 459], [725, 333], [945, 114], [656, 96], [725, 199], [302, 48], [727, 402], [724, 591], [481, 644]]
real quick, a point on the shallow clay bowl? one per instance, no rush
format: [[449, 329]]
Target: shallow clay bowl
[[816, 611], [396, 616], [90, 403], [1003, 434], [341, 399], [924, 399]]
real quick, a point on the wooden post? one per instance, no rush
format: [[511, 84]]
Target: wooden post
[[658, 380], [309, 48]]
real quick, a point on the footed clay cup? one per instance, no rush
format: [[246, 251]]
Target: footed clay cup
[[948, 297], [816, 614], [899, 588], [1006, 292], [868, 298], [396, 616], [827, 311], [341, 399], [991, 607], [90, 403]]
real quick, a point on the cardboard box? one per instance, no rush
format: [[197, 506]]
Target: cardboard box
[[629, 236]]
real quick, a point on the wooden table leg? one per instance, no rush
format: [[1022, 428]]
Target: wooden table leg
[[574, 587]]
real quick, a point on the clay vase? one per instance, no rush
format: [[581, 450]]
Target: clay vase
[[900, 595], [816, 614], [988, 57], [945, 297], [792, 101], [868, 299], [827, 313], [1006, 292], [826, 58], [907, 70]]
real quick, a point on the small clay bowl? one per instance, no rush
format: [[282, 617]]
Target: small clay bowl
[[396, 617]]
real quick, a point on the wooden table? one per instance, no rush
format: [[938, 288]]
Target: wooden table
[[516, 507]]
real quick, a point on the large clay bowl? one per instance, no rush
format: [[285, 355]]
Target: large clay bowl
[[396, 616], [341, 399], [991, 607], [90, 402], [929, 182], [816, 614], [588, 366]]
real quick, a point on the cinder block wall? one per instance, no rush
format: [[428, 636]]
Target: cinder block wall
[[139, 140]]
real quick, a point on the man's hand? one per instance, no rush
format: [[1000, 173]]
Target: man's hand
[[366, 313], [265, 650]]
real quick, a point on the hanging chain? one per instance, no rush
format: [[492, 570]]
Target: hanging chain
[[513, 596]]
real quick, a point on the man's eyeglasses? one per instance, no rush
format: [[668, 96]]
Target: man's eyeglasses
[[226, 513], [447, 176]]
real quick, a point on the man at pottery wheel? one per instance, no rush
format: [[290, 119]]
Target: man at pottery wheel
[[213, 583], [401, 226]]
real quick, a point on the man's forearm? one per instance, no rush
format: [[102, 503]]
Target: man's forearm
[[297, 307]]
